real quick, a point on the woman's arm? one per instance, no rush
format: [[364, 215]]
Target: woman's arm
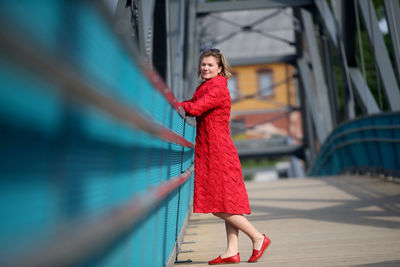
[[210, 100]]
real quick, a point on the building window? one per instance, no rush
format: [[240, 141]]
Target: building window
[[233, 86], [265, 85]]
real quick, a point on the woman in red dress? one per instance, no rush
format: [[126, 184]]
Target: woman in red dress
[[219, 188]]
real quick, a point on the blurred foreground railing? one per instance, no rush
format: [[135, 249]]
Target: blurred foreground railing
[[96, 159], [368, 144]]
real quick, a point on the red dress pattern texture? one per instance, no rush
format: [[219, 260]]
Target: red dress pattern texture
[[218, 185]]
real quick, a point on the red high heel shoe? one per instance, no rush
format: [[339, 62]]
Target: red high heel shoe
[[258, 253], [219, 260]]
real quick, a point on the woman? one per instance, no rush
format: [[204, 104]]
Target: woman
[[219, 188]]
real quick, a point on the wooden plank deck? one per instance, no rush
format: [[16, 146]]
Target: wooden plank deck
[[337, 221]]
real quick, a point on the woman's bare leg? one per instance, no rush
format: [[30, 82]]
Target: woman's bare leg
[[240, 222], [232, 236]]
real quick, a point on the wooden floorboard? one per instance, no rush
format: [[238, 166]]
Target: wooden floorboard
[[335, 221]]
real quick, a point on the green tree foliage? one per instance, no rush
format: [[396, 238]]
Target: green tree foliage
[[371, 72]]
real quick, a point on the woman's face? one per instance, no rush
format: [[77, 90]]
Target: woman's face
[[209, 68]]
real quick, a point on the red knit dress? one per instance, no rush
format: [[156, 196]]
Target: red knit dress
[[218, 185]]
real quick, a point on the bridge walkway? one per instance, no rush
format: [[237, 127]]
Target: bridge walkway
[[337, 221]]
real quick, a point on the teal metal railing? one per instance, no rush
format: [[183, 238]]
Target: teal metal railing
[[96, 158], [369, 143]]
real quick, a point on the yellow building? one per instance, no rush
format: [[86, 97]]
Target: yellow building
[[257, 82], [264, 101], [259, 44]]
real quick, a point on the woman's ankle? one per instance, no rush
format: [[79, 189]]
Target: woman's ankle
[[229, 253], [258, 241]]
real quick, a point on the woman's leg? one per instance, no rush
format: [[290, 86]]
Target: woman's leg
[[240, 222], [232, 236]]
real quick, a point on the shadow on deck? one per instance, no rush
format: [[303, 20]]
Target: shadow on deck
[[336, 221]]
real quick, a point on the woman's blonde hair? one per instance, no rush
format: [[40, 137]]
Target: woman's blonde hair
[[221, 61]]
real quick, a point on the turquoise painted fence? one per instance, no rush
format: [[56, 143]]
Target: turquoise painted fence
[[96, 158], [370, 144]]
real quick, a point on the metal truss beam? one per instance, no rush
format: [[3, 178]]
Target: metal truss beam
[[191, 50], [176, 33], [328, 19], [290, 58], [337, 10], [205, 8], [146, 27], [330, 77], [123, 18], [319, 77], [271, 151], [332, 28], [381, 55], [366, 99], [307, 124], [311, 103], [308, 132], [250, 28], [392, 10], [346, 23]]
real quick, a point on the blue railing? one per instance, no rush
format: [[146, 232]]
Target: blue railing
[[370, 144], [96, 158]]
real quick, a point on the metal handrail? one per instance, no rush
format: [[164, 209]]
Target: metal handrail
[[73, 86], [329, 148], [336, 136], [351, 142], [77, 241], [145, 66]]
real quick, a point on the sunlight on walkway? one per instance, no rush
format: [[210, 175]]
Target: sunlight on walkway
[[343, 221]]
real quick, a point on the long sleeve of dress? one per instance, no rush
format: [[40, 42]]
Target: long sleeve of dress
[[211, 99]]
